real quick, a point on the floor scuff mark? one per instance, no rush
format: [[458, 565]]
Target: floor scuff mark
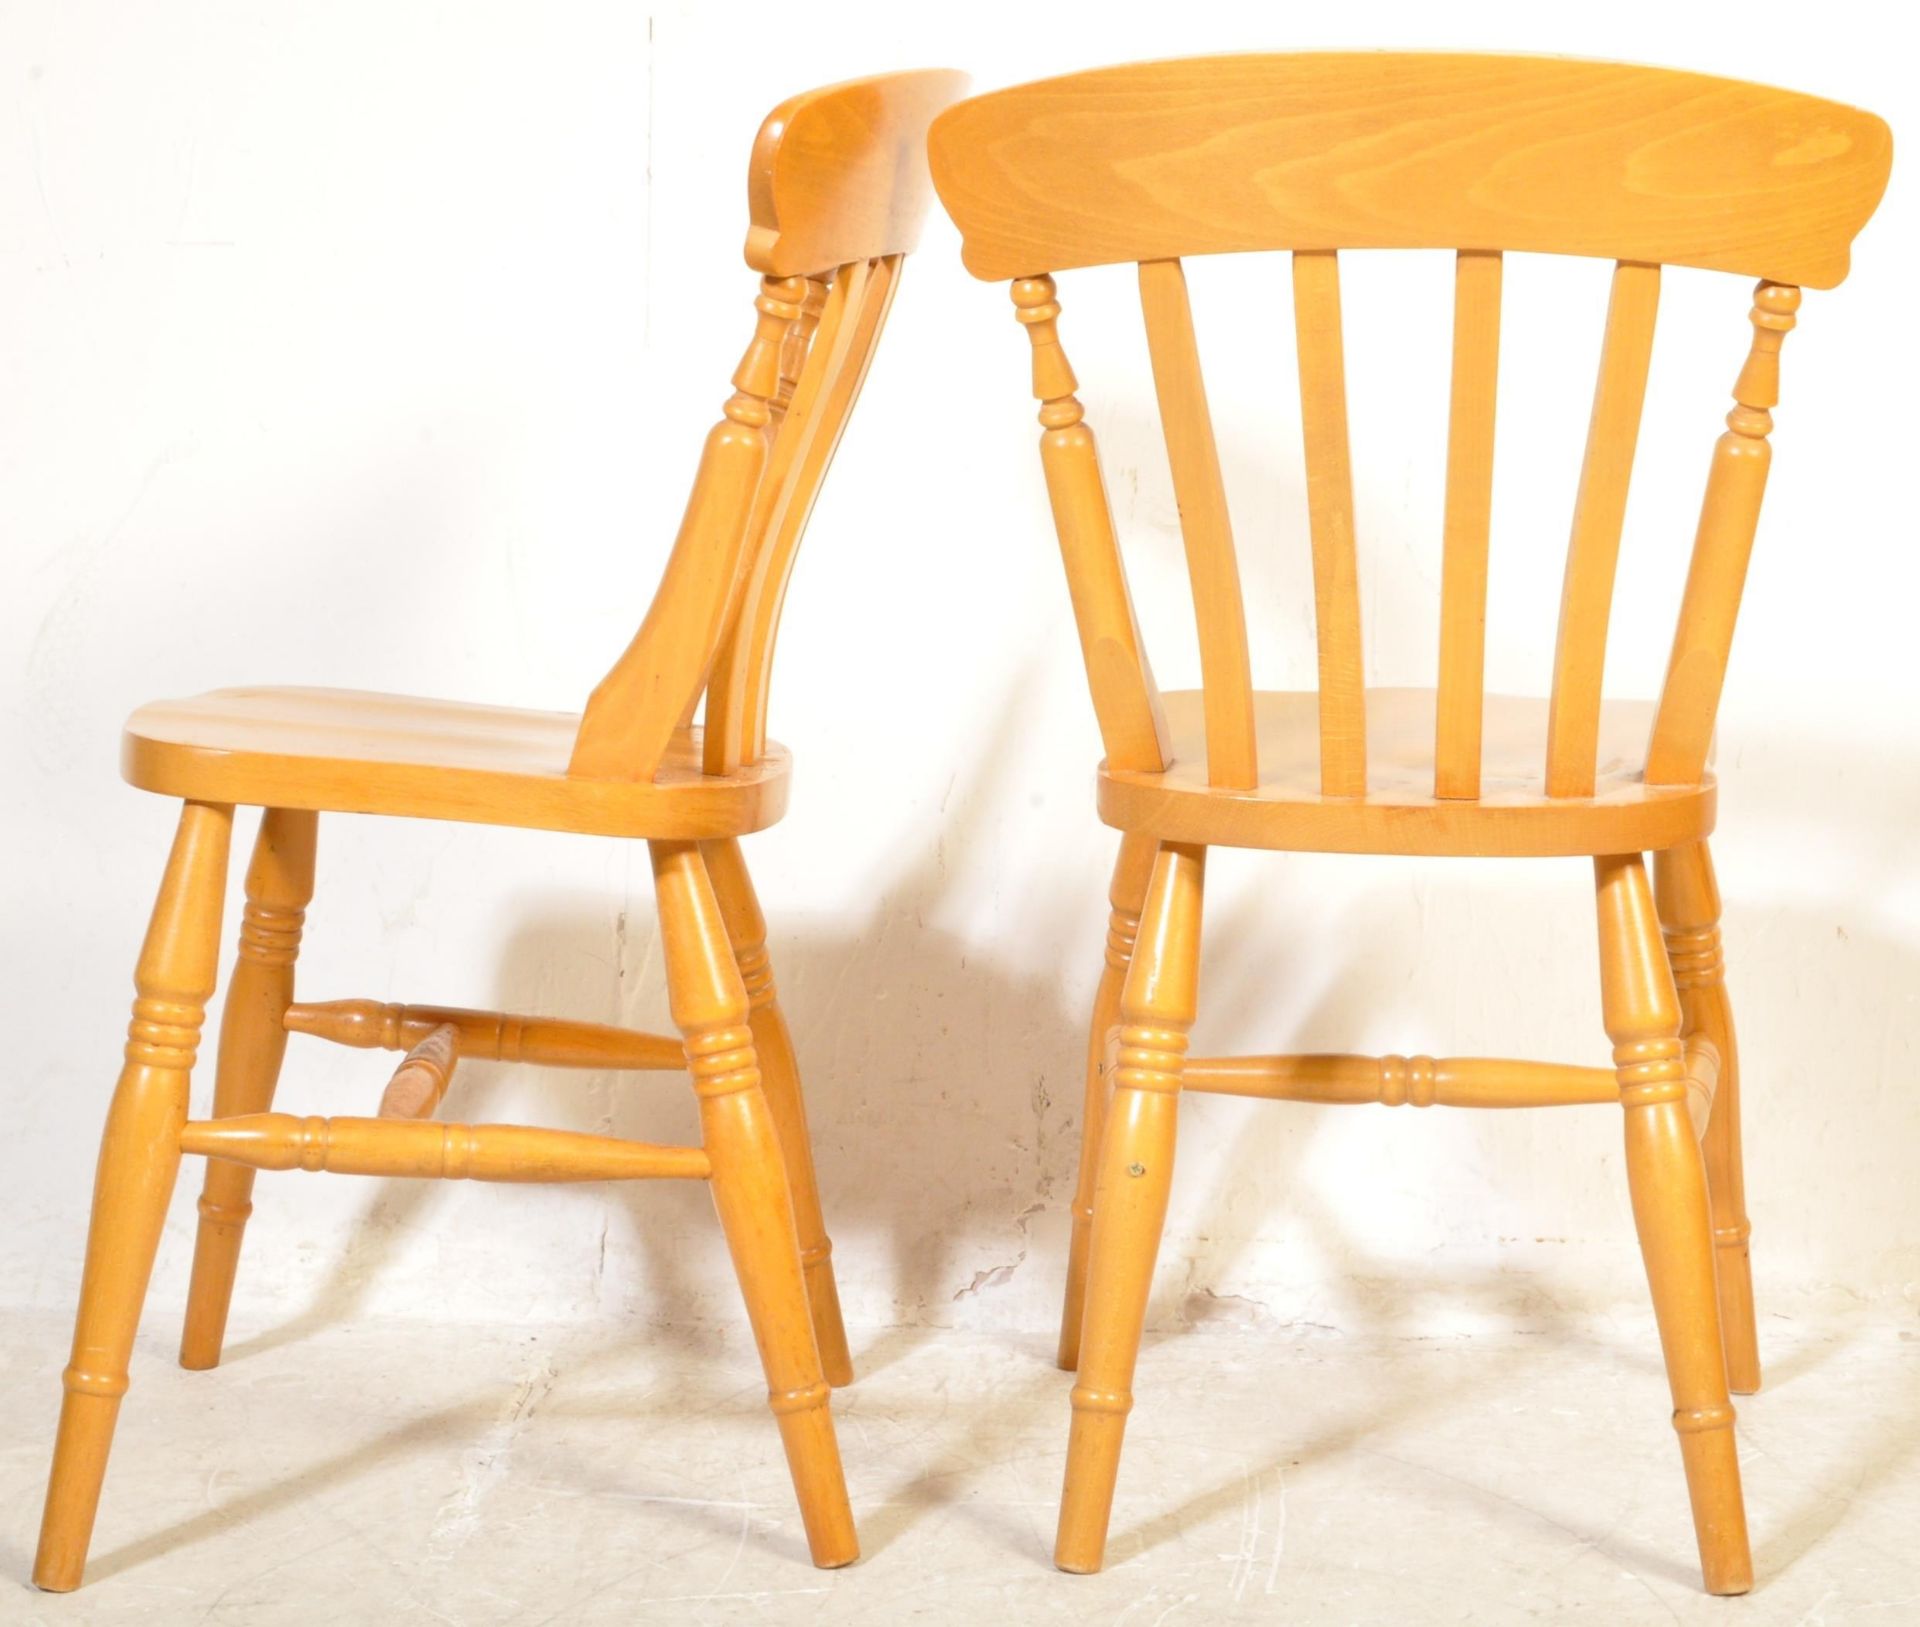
[[485, 1464]]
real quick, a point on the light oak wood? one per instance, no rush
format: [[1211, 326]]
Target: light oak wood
[[1126, 894], [839, 173], [340, 750], [1225, 674], [139, 1158], [435, 1152], [825, 392], [1130, 1205], [639, 709], [1513, 816], [1447, 1081], [1688, 897], [780, 1080], [749, 1184], [1483, 155], [488, 1036], [824, 322], [1668, 1180], [1469, 519], [1336, 578], [1403, 1081], [799, 343], [1599, 512], [419, 1084], [837, 188], [1729, 516], [252, 1042], [1385, 149], [1125, 698]]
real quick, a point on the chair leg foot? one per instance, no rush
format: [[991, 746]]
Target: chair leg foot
[[139, 1160]]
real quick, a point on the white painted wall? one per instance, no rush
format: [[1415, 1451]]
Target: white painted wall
[[372, 344]]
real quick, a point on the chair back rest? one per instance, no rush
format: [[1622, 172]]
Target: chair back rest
[[1316, 153], [836, 190]]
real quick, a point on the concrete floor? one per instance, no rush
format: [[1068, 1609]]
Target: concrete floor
[[398, 1473]]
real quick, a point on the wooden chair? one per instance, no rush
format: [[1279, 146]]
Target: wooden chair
[[1480, 154], [837, 187]]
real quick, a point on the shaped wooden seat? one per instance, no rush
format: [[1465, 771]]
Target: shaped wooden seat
[[346, 751], [837, 187], [1400, 813], [1311, 155]]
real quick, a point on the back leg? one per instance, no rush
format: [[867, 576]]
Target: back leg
[[749, 1183], [780, 1079], [252, 1043], [1689, 900], [139, 1158], [1125, 894], [1668, 1181]]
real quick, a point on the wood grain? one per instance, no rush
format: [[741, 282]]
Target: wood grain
[[1157, 1007], [1225, 671], [252, 1043], [1125, 698], [837, 188], [1687, 895], [1403, 1081], [1383, 149], [1512, 817], [488, 1036], [1668, 1182], [334, 749], [839, 173], [1717, 573], [1336, 570], [1126, 896], [1599, 513], [139, 1159], [1482, 155], [1469, 519]]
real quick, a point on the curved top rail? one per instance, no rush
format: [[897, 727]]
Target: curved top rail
[[839, 174], [1347, 150]]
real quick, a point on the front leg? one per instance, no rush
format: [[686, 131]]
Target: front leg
[[139, 1159], [1668, 1181], [1689, 901], [1125, 894], [1130, 1200]]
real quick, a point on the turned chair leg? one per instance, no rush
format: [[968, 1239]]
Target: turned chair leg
[[780, 1080], [709, 1003], [1130, 1196], [252, 1043], [139, 1158], [1667, 1177], [1124, 895], [1689, 901]]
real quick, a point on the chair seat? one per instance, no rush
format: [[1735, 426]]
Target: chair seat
[[1400, 814], [352, 752]]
